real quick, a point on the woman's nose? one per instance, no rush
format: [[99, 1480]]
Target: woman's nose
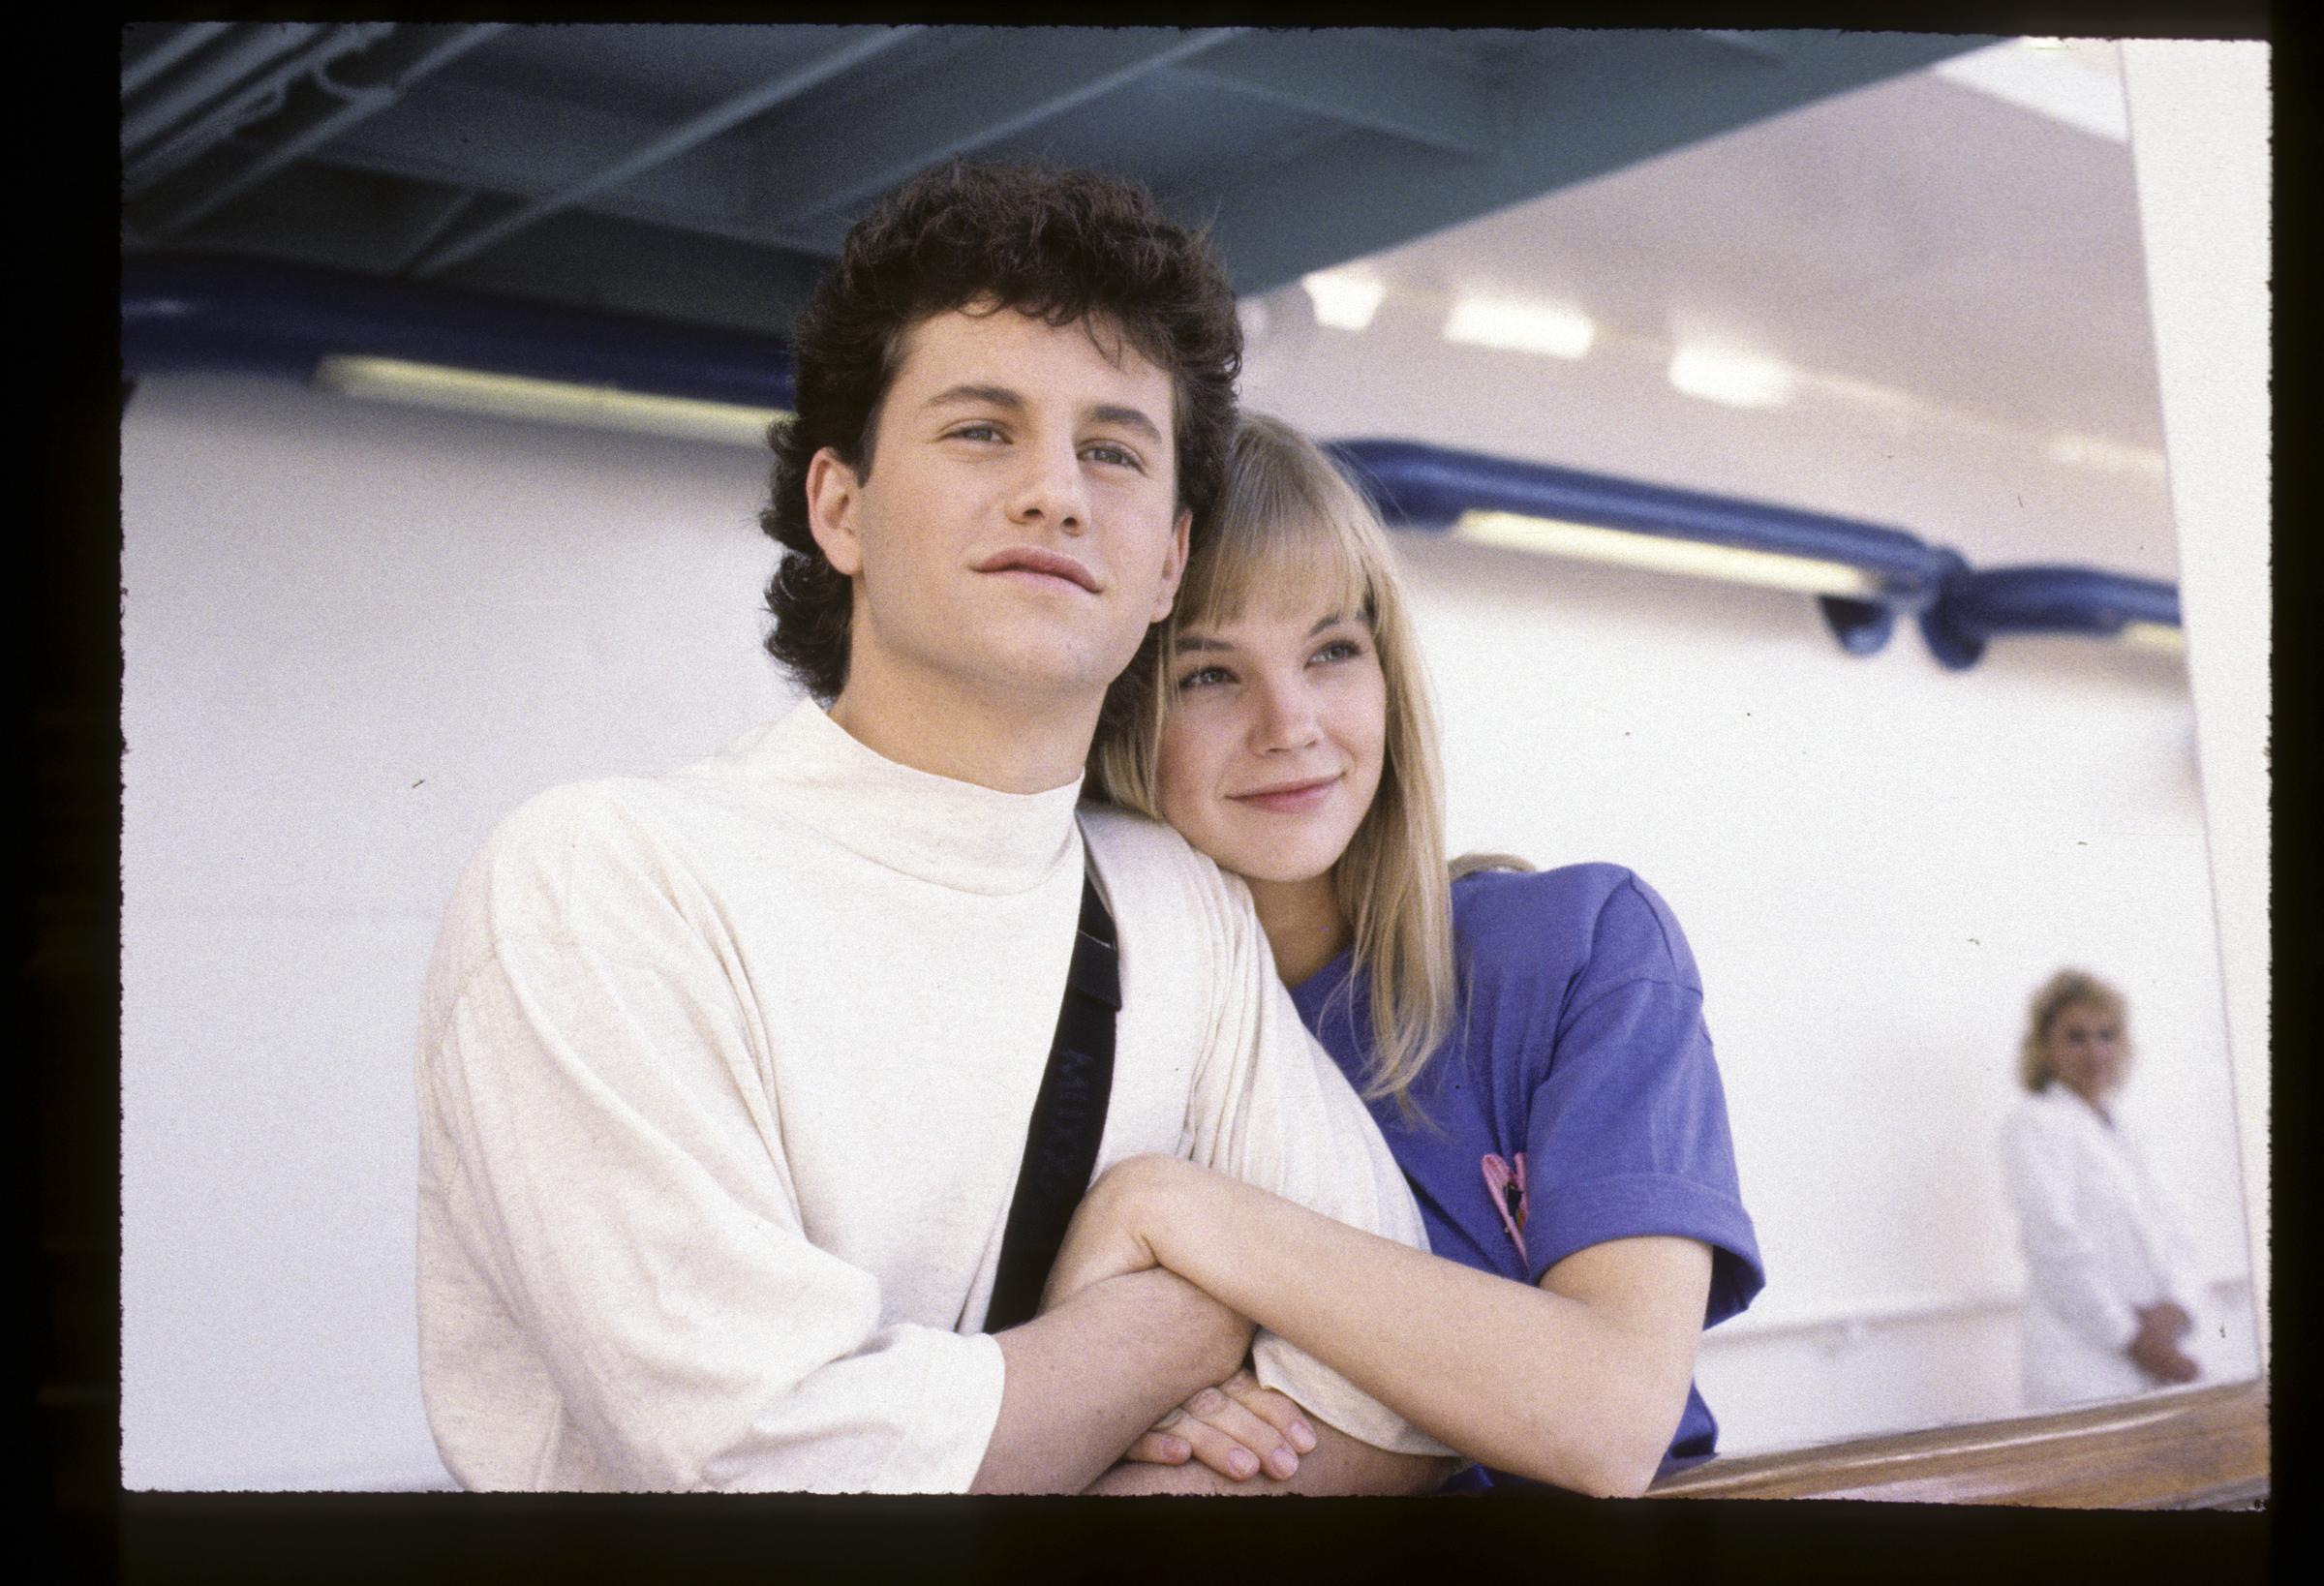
[[1287, 717]]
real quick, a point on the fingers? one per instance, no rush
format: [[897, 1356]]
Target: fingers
[[1160, 1449], [1225, 1435], [1277, 1410]]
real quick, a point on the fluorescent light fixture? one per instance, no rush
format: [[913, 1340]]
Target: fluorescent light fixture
[[2073, 82], [1520, 327], [1344, 299], [1665, 552], [2162, 639], [545, 401], [1737, 379], [2109, 456]]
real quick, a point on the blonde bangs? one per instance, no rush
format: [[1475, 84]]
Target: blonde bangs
[[1267, 553]]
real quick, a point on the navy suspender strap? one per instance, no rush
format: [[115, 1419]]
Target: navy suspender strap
[[1060, 1143]]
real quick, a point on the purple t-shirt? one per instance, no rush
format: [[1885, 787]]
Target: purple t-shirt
[[1579, 1104]]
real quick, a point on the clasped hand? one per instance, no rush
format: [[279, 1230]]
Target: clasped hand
[[1238, 1428]]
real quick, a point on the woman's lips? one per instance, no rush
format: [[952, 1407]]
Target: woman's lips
[[1290, 800]]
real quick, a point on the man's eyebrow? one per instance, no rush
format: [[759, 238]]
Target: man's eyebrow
[[998, 396], [1129, 419]]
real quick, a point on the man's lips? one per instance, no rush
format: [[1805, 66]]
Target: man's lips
[[1289, 798], [1032, 558]]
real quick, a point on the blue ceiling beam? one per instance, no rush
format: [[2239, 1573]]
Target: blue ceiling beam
[[180, 314]]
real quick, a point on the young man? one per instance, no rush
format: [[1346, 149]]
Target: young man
[[725, 1076]]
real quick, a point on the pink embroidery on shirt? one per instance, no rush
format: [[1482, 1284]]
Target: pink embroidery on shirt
[[1507, 1187]]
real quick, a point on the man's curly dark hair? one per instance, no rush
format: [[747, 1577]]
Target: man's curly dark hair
[[1067, 246]]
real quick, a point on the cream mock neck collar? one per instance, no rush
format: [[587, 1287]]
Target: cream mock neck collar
[[951, 833]]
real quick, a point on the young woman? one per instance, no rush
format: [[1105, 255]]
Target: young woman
[[1532, 1044], [2112, 1282]]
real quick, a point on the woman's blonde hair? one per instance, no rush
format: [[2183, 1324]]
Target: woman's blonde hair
[[2066, 988], [1288, 519]]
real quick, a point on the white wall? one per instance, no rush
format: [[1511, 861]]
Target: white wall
[[354, 637]]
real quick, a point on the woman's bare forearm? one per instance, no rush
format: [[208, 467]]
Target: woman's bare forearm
[[1584, 1393], [1083, 1380]]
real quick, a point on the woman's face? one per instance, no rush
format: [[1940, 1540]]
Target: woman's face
[[2084, 1049], [1273, 745]]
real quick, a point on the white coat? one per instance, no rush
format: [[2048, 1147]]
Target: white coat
[[2098, 1246]]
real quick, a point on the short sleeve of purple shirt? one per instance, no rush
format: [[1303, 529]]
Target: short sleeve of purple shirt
[[1578, 1103]]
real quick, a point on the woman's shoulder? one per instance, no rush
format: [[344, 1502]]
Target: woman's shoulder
[[1601, 916], [2053, 1111]]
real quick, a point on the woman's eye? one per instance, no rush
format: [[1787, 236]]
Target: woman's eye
[[1339, 649], [1203, 677]]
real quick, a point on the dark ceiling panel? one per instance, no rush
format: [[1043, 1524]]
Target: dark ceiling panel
[[1363, 78], [1587, 104], [664, 72], [661, 169], [1007, 82], [1172, 133]]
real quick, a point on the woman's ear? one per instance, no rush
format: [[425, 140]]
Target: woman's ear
[[833, 490]]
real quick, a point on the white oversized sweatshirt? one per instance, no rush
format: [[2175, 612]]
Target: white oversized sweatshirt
[[723, 1080]]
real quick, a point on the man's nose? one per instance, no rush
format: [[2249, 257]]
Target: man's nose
[[1050, 492]]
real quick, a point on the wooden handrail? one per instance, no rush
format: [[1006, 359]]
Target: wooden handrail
[[2198, 1447]]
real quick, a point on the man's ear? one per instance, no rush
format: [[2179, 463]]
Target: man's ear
[[833, 491], [1172, 570]]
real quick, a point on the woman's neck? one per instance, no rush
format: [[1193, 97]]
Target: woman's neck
[[2095, 1099], [1303, 924]]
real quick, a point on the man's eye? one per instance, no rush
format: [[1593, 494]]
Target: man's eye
[[976, 432], [1105, 451]]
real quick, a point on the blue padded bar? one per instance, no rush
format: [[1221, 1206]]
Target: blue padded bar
[[208, 314], [2045, 600], [1419, 486], [1976, 606]]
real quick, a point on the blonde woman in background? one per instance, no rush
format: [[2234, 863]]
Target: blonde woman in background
[[1532, 1044], [2111, 1291]]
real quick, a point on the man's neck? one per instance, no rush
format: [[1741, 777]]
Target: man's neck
[[1011, 747]]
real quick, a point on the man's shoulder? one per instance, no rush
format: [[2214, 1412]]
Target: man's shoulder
[[1152, 876], [1130, 850], [612, 815], [601, 813]]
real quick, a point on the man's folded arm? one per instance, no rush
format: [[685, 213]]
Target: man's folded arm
[[1086, 1378], [609, 1161]]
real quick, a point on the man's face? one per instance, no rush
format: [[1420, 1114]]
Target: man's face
[[1019, 530]]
